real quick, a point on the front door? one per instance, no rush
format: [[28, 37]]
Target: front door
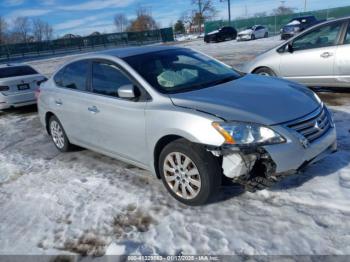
[[117, 125], [311, 61]]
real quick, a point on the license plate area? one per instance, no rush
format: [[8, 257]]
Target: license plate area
[[23, 87]]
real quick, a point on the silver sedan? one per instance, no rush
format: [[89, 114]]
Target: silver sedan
[[186, 117], [317, 57], [18, 84]]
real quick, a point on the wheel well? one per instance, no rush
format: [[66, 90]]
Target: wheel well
[[261, 67], [47, 118], [159, 147]]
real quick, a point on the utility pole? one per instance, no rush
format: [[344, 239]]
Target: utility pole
[[305, 4], [229, 10]]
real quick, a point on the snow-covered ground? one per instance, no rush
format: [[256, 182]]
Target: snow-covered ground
[[83, 202]]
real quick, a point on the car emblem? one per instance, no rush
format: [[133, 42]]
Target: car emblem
[[317, 125]]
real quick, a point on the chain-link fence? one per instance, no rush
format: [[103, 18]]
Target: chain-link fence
[[62, 45], [275, 23]]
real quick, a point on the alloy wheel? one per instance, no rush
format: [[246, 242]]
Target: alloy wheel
[[182, 175], [57, 134]]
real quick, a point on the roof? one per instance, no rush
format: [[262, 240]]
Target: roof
[[132, 51]]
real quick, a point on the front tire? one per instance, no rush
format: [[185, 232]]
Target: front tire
[[264, 71], [190, 173], [252, 37], [58, 135]]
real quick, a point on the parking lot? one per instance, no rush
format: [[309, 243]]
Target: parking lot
[[86, 203]]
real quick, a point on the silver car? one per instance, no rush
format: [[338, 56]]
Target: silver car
[[18, 84], [252, 33], [190, 119], [318, 57]]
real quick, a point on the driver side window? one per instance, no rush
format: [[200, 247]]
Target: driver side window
[[107, 79], [323, 36]]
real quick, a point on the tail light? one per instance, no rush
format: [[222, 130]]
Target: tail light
[[37, 93], [41, 81], [4, 88]]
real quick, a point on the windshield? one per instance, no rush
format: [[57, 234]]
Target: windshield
[[180, 70]]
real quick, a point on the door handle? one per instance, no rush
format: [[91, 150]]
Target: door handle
[[58, 102], [326, 55], [93, 109]]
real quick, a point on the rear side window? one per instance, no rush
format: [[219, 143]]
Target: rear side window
[[14, 71], [73, 76], [347, 37], [107, 79]]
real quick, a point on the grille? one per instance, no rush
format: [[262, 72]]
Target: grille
[[313, 126]]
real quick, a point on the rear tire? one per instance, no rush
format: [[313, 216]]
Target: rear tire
[[58, 135], [191, 174], [266, 35], [264, 71]]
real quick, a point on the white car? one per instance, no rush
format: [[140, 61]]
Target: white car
[[252, 33], [317, 57], [18, 84]]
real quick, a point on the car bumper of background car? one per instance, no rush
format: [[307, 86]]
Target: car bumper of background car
[[17, 100], [286, 36], [244, 37]]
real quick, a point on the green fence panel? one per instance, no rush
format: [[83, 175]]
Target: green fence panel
[[167, 34], [275, 23], [79, 43]]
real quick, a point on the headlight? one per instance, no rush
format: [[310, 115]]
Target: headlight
[[239, 133]]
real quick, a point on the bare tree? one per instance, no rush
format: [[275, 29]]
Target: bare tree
[[38, 29], [205, 10], [144, 21], [283, 10], [48, 31], [260, 14], [21, 29], [121, 22], [3, 30], [42, 30]]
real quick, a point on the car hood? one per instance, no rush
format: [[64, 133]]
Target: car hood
[[246, 32], [252, 98]]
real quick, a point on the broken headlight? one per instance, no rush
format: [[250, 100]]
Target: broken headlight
[[239, 133]]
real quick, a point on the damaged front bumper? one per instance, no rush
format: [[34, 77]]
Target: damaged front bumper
[[272, 161]]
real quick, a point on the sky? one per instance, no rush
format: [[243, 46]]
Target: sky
[[86, 16]]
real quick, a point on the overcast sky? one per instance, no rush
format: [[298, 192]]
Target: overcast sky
[[85, 17]]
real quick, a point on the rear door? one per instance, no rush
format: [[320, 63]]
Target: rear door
[[116, 125], [313, 57], [70, 99], [342, 61], [259, 32]]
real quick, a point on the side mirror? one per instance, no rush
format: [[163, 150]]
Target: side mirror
[[127, 92], [290, 48]]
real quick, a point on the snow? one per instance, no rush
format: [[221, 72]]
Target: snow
[[86, 203]]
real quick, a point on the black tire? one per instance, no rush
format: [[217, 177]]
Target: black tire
[[208, 167], [66, 145], [266, 35], [264, 71], [252, 37]]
